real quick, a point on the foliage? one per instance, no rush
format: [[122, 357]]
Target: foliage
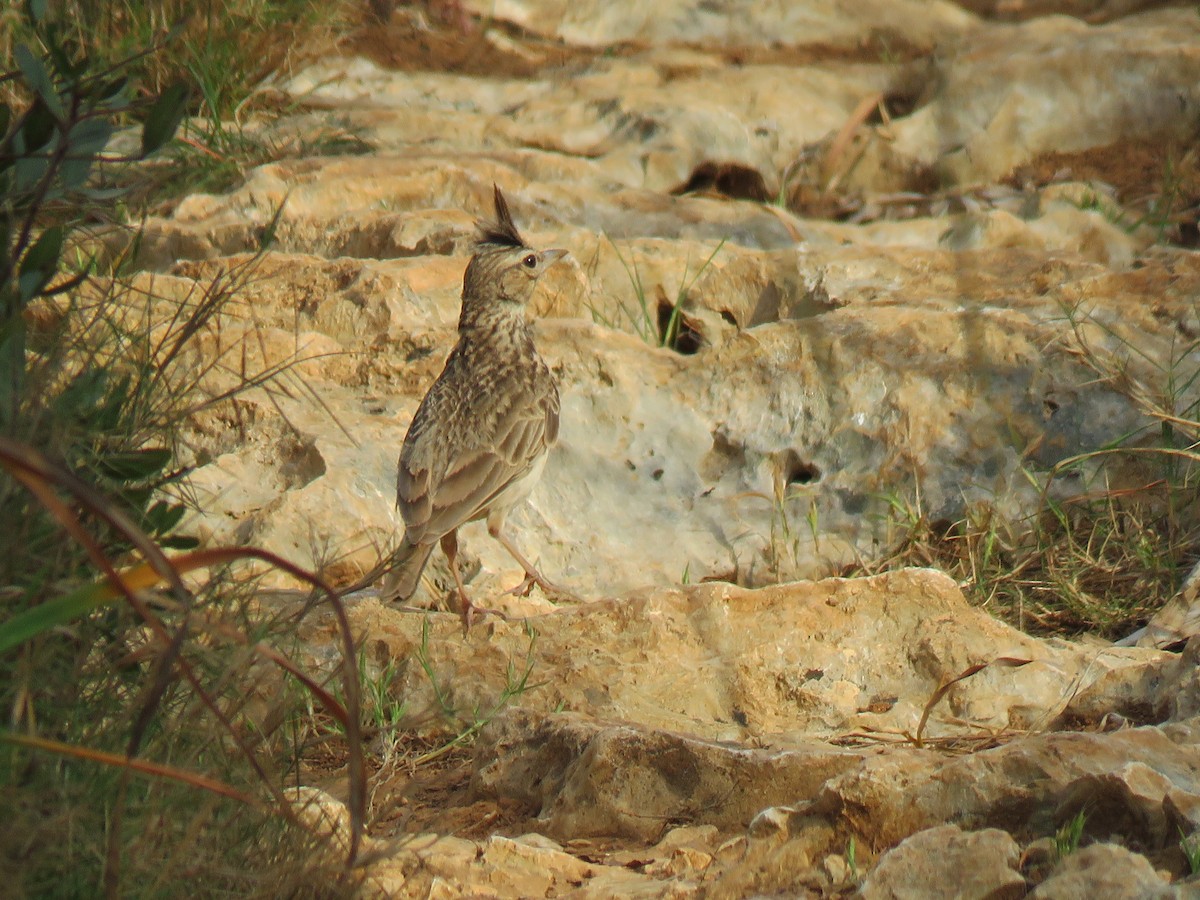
[[1067, 838], [1102, 559], [218, 53], [95, 408], [661, 324], [104, 680], [1190, 845]]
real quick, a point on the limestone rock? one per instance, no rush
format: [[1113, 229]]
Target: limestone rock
[[995, 102], [781, 664], [1040, 781], [728, 21], [781, 425], [947, 862], [1157, 690], [589, 779], [1105, 870], [721, 718], [1178, 620]]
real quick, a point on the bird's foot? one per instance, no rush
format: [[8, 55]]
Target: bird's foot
[[470, 613], [552, 591]]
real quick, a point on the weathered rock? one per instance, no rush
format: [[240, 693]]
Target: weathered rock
[[589, 779], [837, 363], [775, 445], [1105, 870], [948, 862], [1163, 689], [1036, 784], [1178, 620], [999, 99], [780, 664], [941, 345], [593, 22]]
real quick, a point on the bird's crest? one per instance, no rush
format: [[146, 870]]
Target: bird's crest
[[500, 232]]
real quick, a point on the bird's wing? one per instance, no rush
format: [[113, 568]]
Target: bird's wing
[[551, 405], [473, 474]]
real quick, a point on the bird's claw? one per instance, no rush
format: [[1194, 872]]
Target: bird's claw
[[552, 591], [523, 589], [470, 613]]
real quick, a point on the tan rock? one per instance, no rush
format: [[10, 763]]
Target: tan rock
[[948, 862], [1105, 870], [720, 727], [783, 664], [597, 23], [1000, 98], [1041, 780]]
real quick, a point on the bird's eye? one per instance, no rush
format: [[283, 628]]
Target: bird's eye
[[530, 261]]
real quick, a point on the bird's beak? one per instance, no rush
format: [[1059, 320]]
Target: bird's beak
[[550, 257]]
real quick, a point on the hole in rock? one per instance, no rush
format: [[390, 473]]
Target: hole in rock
[[679, 331], [728, 179], [798, 471], [898, 103], [1189, 234]]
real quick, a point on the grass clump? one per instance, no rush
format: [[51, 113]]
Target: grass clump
[[1067, 838], [661, 322], [1190, 846], [1102, 559], [1093, 563], [142, 749], [217, 54]]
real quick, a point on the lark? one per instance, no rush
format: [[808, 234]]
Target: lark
[[479, 440]]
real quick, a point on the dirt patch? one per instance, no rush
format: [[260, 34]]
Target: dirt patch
[[435, 797], [1087, 10], [1135, 169], [438, 39], [1157, 181], [442, 37]]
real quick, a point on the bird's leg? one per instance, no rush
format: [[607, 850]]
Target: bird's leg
[[466, 609], [532, 575]]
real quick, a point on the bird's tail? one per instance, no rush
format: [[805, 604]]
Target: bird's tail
[[405, 568]]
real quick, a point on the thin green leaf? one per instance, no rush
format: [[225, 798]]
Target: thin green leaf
[[86, 140], [40, 262], [37, 127], [179, 542], [134, 465], [36, 10], [61, 287], [162, 517], [54, 613], [81, 396], [35, 73], [28, 171], [66, 68], [112, 88], [164, 117]]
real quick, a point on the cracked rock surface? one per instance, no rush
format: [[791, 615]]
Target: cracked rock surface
[[865, 306]]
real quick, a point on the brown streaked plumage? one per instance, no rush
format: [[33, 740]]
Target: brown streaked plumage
[[479, 439]]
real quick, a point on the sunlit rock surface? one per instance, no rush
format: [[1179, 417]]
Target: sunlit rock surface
[[872, 309]]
